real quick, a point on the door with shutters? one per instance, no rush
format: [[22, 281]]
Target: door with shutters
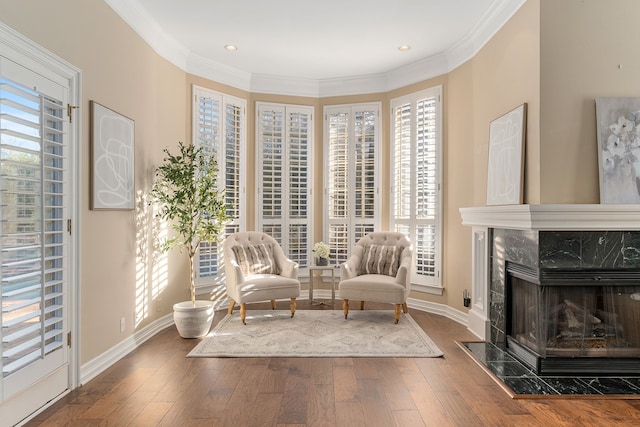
[[35, 243], [352, 176], [284, 147]]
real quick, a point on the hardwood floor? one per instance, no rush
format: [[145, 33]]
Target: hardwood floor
[[157, 386]]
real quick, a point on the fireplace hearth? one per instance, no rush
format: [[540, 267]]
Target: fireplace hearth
[[576, 321]]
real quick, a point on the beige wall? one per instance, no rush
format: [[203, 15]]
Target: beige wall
[[501, 76], [118, 275], [583, 43], [547, 55]]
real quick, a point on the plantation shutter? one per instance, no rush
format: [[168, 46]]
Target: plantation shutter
[[284, 136], [416, 207], [33, 173], [353, 176], [219, 127]]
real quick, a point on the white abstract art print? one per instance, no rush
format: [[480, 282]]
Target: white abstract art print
[[618, 127], [112, 155], [506, 158]]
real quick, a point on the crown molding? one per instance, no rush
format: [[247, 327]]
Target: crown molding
[[218, 72], [142, 23], [283, 85], [466, 48], [176, 53]]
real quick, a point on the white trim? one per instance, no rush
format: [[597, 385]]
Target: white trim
[[479, 322], [554, 217], [286, 220], [351, 220], [498, 14], [430, 284], [439, 309], [21, 49], [99, 364], [218, 72], [166, 46], [426, 288], [151, 32], [281, 85], [355, 85]]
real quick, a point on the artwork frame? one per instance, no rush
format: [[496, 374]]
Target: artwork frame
[[112, 159], [505, 169], [618, 130]]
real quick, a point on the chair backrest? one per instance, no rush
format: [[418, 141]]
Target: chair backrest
[[252, 238], [387, 238], [381, 252]]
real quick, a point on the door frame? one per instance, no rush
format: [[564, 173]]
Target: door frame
[[29, 54]]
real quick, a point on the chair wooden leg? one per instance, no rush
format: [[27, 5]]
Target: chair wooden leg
[[405, 308], [361, 305], [273, 304], [345, 308], [243, 313], [398, 307], [293, 306], [232, 303]]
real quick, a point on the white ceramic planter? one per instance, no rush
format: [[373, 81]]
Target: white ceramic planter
[[193, 322]]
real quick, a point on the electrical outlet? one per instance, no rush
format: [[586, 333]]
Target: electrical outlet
[[158, 305], [122, 324]]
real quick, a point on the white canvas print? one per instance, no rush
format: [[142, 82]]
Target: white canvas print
[[618, 127], [506, 158]]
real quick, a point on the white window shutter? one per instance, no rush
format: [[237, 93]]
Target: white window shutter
[[416, 161], [219, 125], [284, 160], [352, 180]]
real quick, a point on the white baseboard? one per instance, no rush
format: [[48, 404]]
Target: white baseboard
[[99, 364], [440, 309]]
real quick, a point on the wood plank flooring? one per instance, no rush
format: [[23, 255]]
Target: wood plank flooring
[[156, 385]]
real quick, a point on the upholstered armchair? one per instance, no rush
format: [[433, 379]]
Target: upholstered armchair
[[378, 270], [257, 269]]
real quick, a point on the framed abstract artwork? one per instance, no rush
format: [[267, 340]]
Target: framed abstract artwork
[[505, 172], [618, 128], [112, 159]]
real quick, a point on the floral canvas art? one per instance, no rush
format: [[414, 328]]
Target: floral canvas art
[[618, 126]]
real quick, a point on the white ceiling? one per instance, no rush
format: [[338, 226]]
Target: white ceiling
[[314, 40]]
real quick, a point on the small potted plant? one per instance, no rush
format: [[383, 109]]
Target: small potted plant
[[321, 253], [188, 198]]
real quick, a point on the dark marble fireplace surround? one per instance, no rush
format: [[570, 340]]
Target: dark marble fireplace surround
[[539, 249], [543, 237]]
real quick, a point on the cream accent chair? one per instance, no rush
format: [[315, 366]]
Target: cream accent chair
[[378, 270], [254, 275]]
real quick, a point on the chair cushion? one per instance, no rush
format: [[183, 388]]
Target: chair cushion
[[380, 259], [256, 259], [373, 287]]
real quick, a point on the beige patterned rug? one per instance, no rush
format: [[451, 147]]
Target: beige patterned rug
[[316, 333]]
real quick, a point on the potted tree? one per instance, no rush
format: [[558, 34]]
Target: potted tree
[[188, 198]]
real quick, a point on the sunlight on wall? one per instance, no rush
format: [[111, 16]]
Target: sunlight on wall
[[151, 263]]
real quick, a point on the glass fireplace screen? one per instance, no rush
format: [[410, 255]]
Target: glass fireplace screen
[[574, 320]]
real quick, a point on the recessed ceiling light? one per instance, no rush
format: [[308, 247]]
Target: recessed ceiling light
[[231, 48], [404, 48]]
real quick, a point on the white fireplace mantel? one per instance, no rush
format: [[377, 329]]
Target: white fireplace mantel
[[551, 217], [554, 217]]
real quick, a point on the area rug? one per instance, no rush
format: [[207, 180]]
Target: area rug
[[316, 333]]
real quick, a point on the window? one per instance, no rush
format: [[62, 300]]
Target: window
[[33, 234], [284, 147], [416, 147], [219, 125], [352, 176]]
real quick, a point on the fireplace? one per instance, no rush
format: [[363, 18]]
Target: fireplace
[[573, 321], [587, 254]]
